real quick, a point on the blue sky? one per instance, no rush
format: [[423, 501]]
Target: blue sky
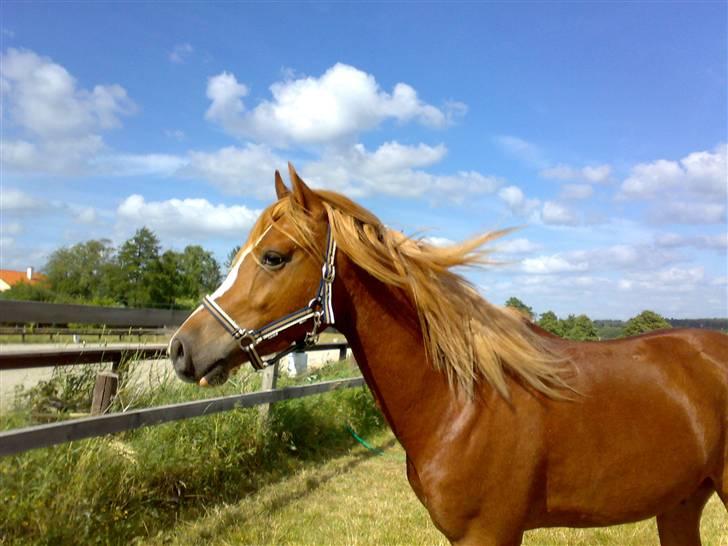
[[601, 128]]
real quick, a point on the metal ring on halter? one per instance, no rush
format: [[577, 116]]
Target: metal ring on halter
[[247, 336]]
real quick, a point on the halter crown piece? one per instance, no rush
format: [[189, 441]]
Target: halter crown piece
[[320, 309]]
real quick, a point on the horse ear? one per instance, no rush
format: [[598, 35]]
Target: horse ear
[[281, 189], [303, 195]]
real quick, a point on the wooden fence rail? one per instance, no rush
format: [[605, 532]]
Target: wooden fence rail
[[29, 332], [19, 440], [17, 359], [27, 312], [20, 312], [24, 439]]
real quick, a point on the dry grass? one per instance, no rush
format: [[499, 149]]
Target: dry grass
[[362, 499]]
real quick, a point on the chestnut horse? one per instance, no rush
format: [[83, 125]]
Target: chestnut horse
[[506, 427]]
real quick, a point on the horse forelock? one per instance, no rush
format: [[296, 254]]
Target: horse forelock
[[465, 336]]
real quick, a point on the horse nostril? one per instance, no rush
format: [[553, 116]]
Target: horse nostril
[[181, 360], [178, 349]]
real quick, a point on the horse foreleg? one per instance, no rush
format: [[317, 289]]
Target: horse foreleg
[[680, 526]]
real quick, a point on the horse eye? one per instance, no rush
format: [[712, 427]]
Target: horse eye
[[273, 260]]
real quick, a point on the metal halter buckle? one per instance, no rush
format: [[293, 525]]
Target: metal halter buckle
[[320, 309]]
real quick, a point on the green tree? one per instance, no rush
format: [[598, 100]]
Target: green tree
[[551, 323], [584, 329], [29, 292], [82, 272], [139, 267], [645, 322], [580, 328], [167, 285], [231, 257], [199, 272], [515, 303]]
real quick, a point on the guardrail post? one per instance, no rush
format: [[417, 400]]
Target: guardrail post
[[269, 380], [104, 392]]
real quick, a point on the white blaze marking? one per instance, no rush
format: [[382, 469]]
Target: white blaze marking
[[227, 283], [233, 275]]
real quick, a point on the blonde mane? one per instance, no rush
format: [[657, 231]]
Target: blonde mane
[[465, 337]]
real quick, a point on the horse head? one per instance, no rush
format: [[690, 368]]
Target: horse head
[[274, 298]]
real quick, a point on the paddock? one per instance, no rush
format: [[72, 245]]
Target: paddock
[[375, 505]]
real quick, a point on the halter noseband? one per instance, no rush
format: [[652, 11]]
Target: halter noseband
[[320, 309]]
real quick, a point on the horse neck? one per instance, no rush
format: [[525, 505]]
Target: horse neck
[[385, 336]]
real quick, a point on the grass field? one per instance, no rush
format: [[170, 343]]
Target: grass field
[[222, 479], [364, 499]]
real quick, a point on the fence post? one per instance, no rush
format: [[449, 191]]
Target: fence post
[[104, 392], [342, 352], [269, 380]]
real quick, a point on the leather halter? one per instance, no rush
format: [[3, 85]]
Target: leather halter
[[320, 309]]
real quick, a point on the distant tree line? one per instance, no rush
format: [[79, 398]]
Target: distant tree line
[[136, 274], [582, 328]]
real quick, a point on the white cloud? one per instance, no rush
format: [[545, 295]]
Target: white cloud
[[576, 191], [521, 149], [620, 257], [86, 215], [57, 123], [685, 212], [66, 156], [139, 164], [558, 214], [43, 98], [176, 134], [703, 173], [623, 257], [181, 53], [544, 265], [438, 241], [516, 200], [596, 173], [237, 171], [590, 173], [186, 217], [673, 279], [16, 200], [343, 102], [516, 246], [11, 228], [716, 242], [392, 169]]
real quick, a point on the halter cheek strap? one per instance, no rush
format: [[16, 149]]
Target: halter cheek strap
[[320, 309]]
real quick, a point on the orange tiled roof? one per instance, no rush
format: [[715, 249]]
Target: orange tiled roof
[[14, 277]]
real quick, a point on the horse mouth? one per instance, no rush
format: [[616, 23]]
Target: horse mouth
[[217, 374]]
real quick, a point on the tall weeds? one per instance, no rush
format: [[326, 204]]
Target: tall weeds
[[112, 489]]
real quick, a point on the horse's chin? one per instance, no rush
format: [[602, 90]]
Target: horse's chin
[[216, 375]]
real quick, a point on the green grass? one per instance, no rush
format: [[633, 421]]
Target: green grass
[[224, 479], [120, 488], [364, 499]]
